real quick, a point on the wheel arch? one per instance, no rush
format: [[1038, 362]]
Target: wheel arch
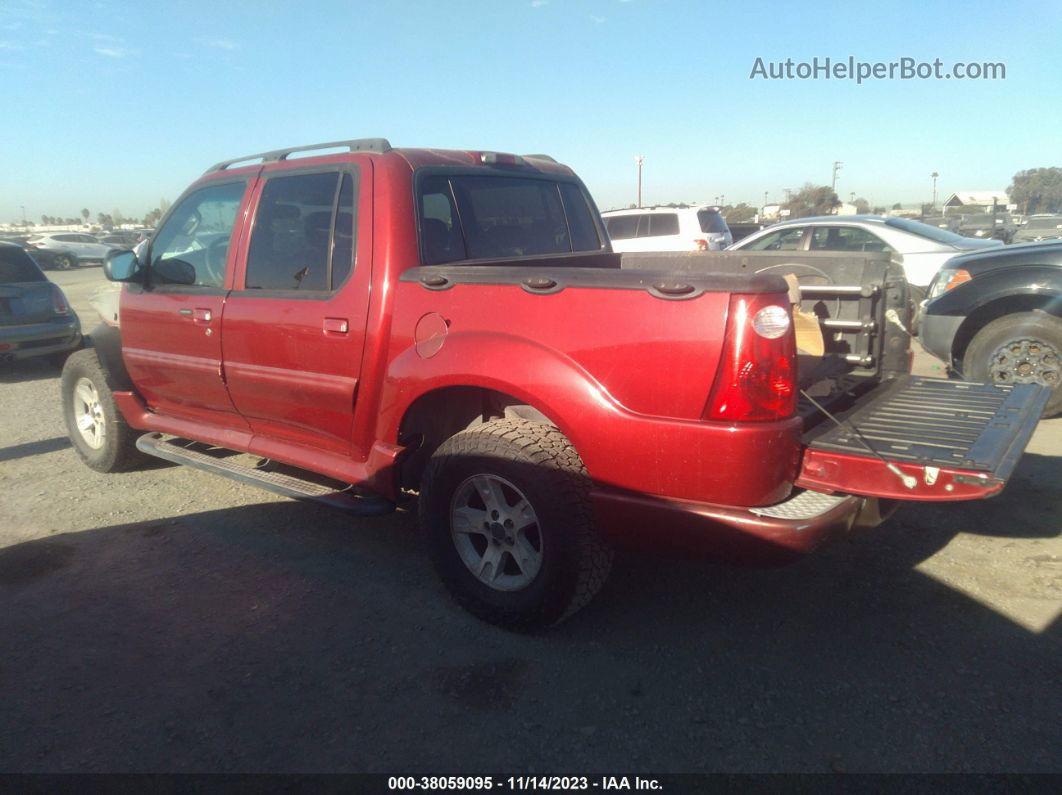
[[439, 413], [996, 308], [106, 341]]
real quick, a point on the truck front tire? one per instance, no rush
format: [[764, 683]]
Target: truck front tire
[[97, 430], [506, 509]]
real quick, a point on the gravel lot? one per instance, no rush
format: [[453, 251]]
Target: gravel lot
[[171, 620]]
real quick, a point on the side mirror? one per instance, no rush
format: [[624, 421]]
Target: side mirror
[[120, 265], [172, 271]]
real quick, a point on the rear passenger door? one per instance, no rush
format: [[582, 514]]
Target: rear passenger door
[[294, 326]]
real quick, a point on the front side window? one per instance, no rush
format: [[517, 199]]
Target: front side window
[[192, 246], [779, 240], [466, 216]]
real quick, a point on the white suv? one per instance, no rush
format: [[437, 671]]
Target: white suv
[[667, 229], [67, 249]]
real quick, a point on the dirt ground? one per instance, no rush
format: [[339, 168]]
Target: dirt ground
[[171, 620]]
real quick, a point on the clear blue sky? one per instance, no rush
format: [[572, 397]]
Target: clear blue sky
[[117, 104]]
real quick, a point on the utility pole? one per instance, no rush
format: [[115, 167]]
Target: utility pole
[[23, 207], [788, 194], [934, 176], [640, 159], [836, 167]]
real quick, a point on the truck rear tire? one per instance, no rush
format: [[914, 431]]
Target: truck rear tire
[[506, 509], [1025, 347], [97, 430]]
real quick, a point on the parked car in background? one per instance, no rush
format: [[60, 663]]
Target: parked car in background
[[922, 248], [986, 225], [693, 228], [121, 239], [996, 316], [35, 317], [1039, 227], [69, 249]]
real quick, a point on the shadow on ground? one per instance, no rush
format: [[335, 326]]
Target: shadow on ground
[[29, 370], [282, 637]]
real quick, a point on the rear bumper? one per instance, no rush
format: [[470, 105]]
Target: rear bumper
[[794, 527], [38, 339]]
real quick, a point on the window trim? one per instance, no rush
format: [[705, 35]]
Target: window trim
[[514, 172], [354, 170]]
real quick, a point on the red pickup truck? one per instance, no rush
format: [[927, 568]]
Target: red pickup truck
[[370, 325]]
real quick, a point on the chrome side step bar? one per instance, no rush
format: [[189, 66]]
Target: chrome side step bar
[[286, 485]]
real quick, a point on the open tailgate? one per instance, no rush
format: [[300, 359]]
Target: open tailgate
[[940, 440]]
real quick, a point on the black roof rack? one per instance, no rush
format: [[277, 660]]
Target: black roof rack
[[380, 145]]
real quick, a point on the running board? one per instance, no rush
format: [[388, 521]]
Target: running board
[[286, 485]]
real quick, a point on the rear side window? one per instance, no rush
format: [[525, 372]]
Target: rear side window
[[493, 217], [622, 227], [303, 237], [580, 220], [17, 266], [440, 232], [663, 224], [712, 223]]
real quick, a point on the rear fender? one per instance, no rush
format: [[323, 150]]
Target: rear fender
[[726, 463]]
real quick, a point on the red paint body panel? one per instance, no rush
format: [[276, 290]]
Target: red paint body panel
[[750, 464]]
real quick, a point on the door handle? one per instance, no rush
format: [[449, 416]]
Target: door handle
[[336, 325], [197, 315]]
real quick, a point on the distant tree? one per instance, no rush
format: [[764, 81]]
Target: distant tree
[[740, 213], [862, 206], [812, 200], [164, 205], [897, 206], [119, 219], [878, 210], [1037, 190], [104, 219], [85, 214], [153, 217], [44, 219]]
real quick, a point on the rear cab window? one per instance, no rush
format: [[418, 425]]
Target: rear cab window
[[480, 216]]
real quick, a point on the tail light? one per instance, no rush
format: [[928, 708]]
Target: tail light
[[702, 245], [756, 380], [59, 302]]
